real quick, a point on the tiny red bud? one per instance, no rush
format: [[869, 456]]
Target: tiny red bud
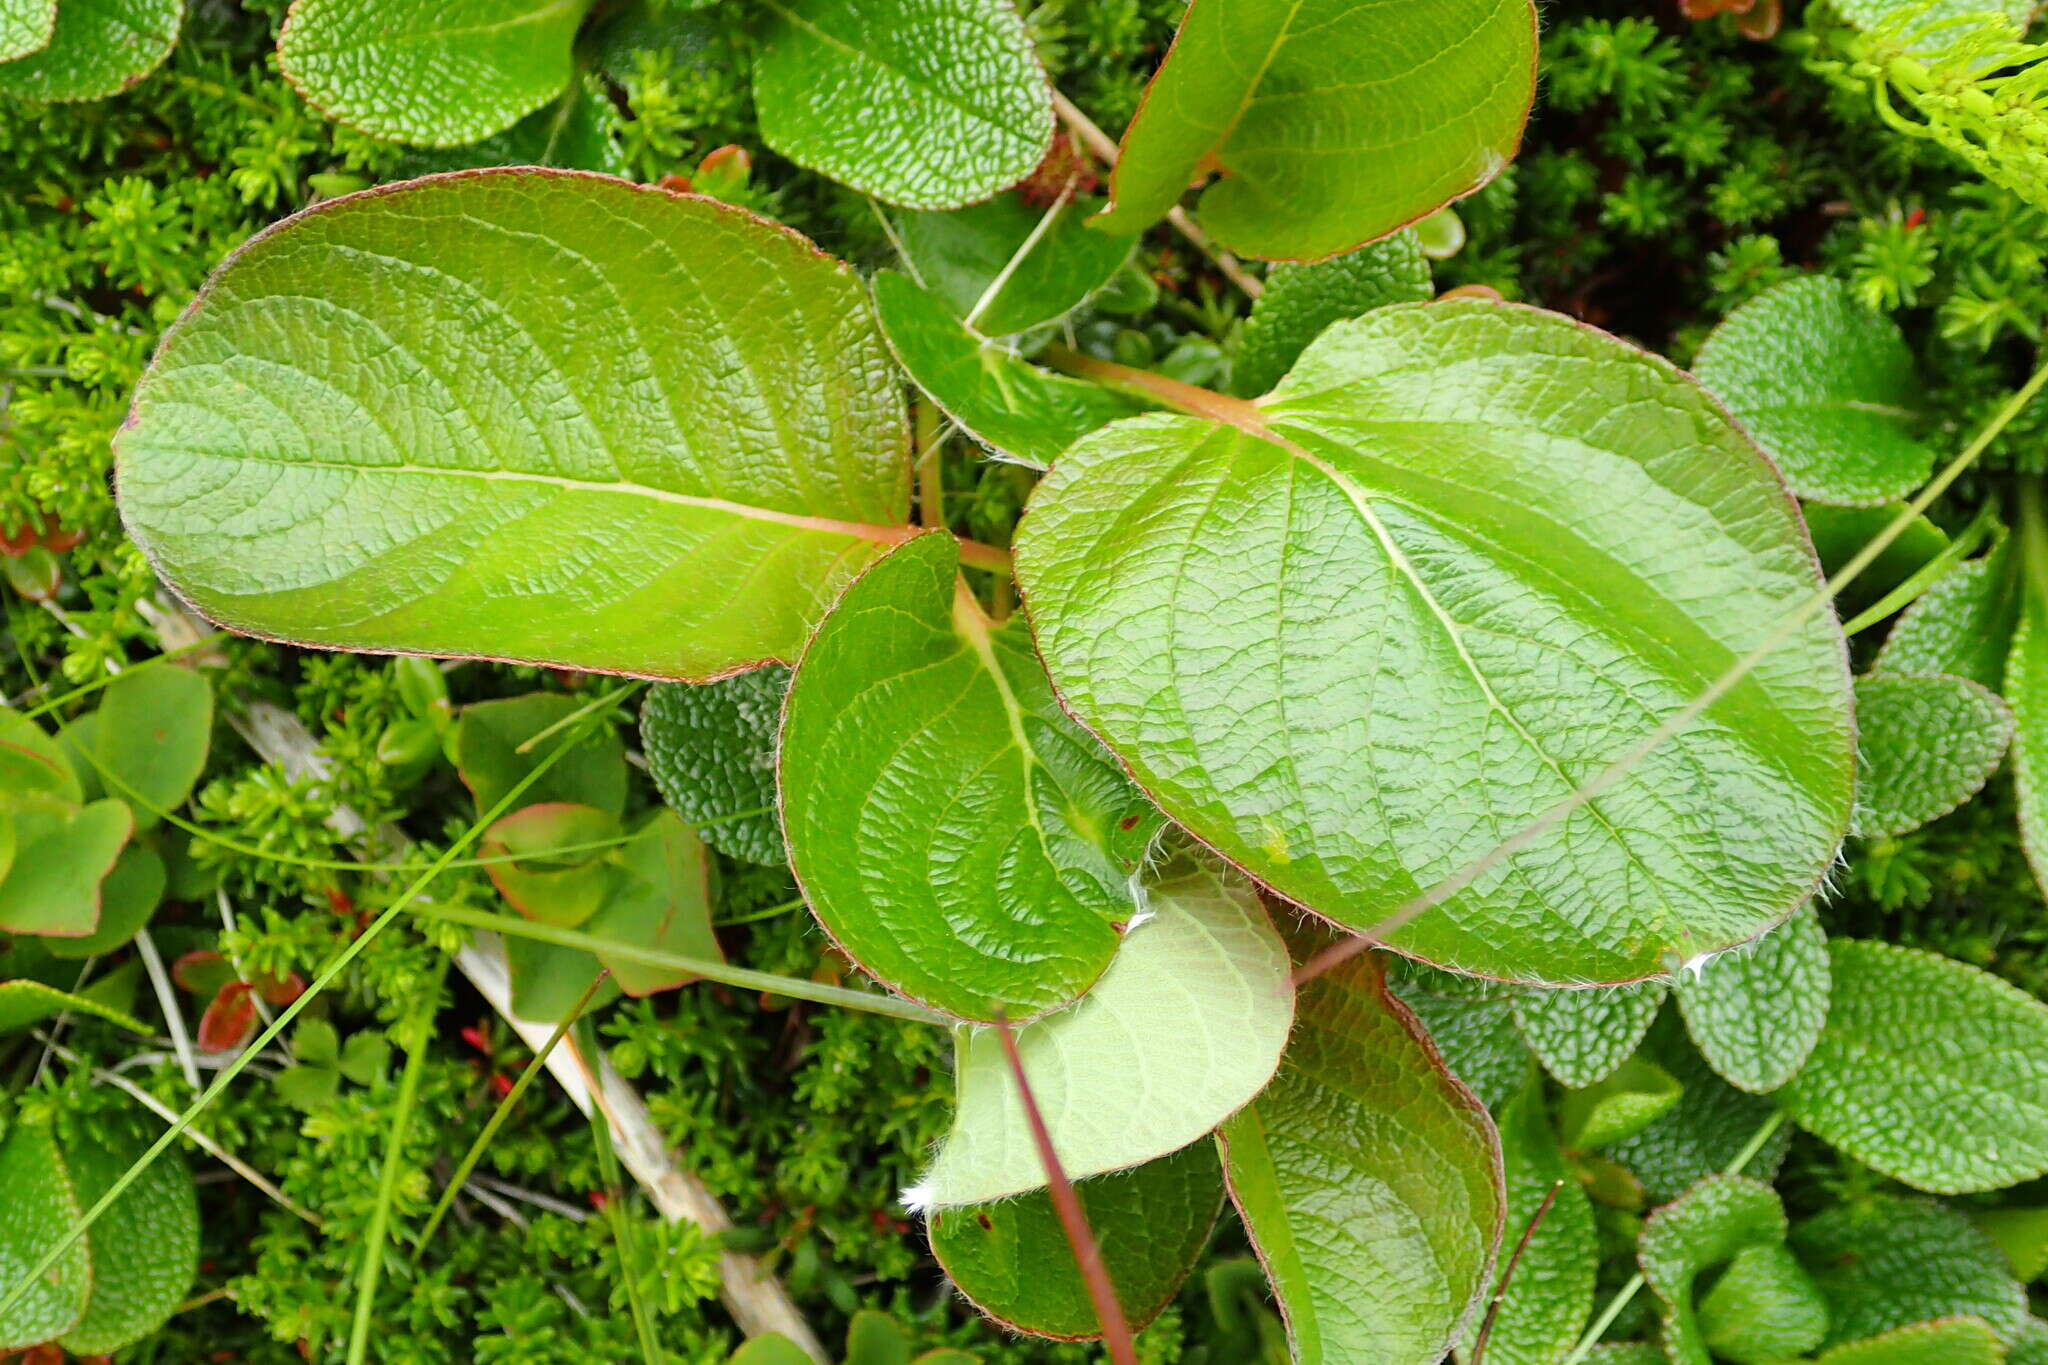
[[501, 1083], [474, 1036]]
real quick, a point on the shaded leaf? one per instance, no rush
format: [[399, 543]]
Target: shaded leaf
[[2026, 690], [1581, 1036], [1755, 1012], [150, 738], [129, 895], [1764, 1309], [563, 891], [661, 899], [41, 1205], [1962, 625], [549, 980], [488, 737], [1708, 1128], [2022, 1234], [1883, 1262], [31, 763], [1925, 744], [1476, 1036], [711, 750], [770, 1348], [1618, 1106], [1301, 300], [25, 1003], [574, 133], [1041, 261], [1709, 1224], [1841, 533], [96, 49], [144, 1248]]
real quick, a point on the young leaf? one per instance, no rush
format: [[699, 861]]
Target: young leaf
[[1712, 1222], [129, 895], [711, 750], [31, 763], [661, 899], [488, 738], [927, 105], [1826, 386], [1925, 744], [1333, 122], [1185, 1026], [950, 827], [1012, 1261], [1931, 1071], [1617, 1107], [1765, 1309], [25, 26], [1756, 1012], [41, 1205], [1365, 1163], [1709, 1126], [437, 73], [1021, 413], [1883, 1262], [144, 1249], [150, 738], [1962, 626], [1581, 1036], [63, 854], [1302, 300], [1010, 264], [1948, 1341], [24, 1003], [1462, 560], [522, 413], [97, 48]]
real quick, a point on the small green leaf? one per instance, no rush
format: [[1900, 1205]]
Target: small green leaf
[[1841, 533], [1152, 1222], [563, 891], [1365, 1163], [711, 750], [1360, 633], [771, 1348], [927, 105], [129, 895], [315, 1041], [1475, 1034], [1300, 301], [25, 1003], [41, 1205], [605, 426], [437, 73], [875, 1338], [948, 823], [1010, 265], [144, 1248], [1581, 1036], [2022, 1234], [150, 738], [96, 49], [1755, 1012], [1318, 153], [1618, 1106], [661, 899], [1873, 13], [1925, 744], [1931, 1071], [1963, 625], [1949, 1341], [549, 980], [1021, 413], [1883, 1262], [1765, 1309], [64, 855], [1708, 1128], [1185, 1026], [25, 26], [31, 763], [487, 742], [573, 133], [1712, 1222]]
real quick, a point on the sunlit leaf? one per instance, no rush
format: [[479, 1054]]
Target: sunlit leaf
[[1925, 744], [96, 49], [1755, 1012]]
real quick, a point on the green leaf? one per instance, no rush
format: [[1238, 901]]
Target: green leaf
[[1465, 558], [1618, 1106], [548, 980], [563, 891], [1765, 1309], [25, 26], [2022, 1234], [26, 1003], [771, 1348], [574, 133], [660, 899], [31, 763], [1365, 1163], [926, 105], [1925, 744], [1320, 152], [1021, 413], [1712, 1222], [1872, 13], [1185, 1026], [1883, 1262], [948, 824], [1756, 1012], [97, 48], [1931, 1071], [488, 737], [1152, 1222], [1010, 265], [875, 1338], [41, 1205], [1708, 1128], [605, 426], [1826, 386], [1475, 1034], [1950, 1341], [63, 857], [1841, 533], [2026, 691], [1550, 1295], [1963, 624], [1302, 300], [1581, 1036], [307, 1088], [711, 750], [144, 1248], [128, 897], [437, 73], [150, 738]]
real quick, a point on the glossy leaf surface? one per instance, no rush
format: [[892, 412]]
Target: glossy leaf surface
[[1152, 1222], [1963, 624], [1464, 558], [1580, 1036], [522, 414], [1301, 300], [1185, 1026], [1332, 122], [97, 48], [1711, 1223], [711, 750], [928, 104], [437, 73], [1826, 386], [1931, 1071], [1926, 743], [1365, 1164], [1756, 1012]]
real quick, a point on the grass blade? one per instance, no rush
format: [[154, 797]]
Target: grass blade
[[615, 1213]]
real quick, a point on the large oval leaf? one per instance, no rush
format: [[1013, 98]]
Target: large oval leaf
[[1181, 1031], [1333, 122], [950, 827], [1464, 559], [437, 73], [526, 414], [1365, 1163], [96, 48], [929, 105]]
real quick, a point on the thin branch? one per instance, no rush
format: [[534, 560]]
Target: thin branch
[[1507, 1275]]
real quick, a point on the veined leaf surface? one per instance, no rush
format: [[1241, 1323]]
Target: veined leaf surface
[[1710, 1223], [711, 750], [1926, 743], [951, 828], [524, 414], [1462, 560], [1302, 300], [1757, 1011], [42, 1202], [1963, 625], [1580, 1036], [25, 26], [1334, 122], [1883, 1262], [97, 48], [144, 1251]]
